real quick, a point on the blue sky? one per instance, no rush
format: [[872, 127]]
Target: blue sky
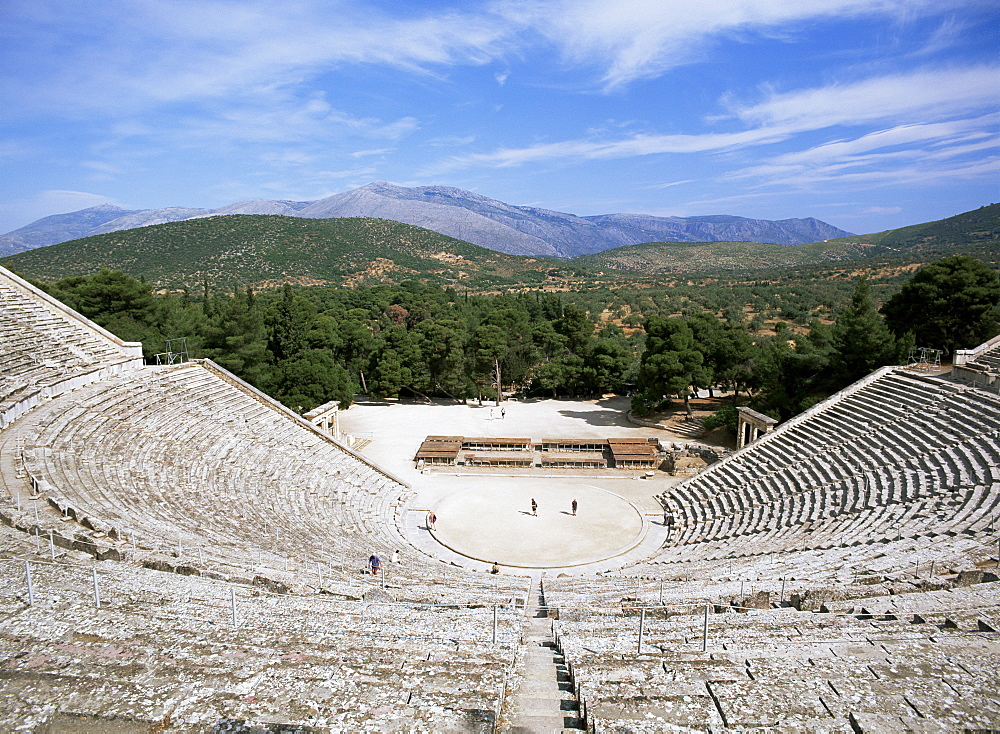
[[869, 114]]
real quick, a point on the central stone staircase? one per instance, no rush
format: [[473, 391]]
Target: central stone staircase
[[541, 699]]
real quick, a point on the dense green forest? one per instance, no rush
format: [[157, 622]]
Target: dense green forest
[[761, 340]]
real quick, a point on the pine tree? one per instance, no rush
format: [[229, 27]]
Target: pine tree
[[950, 304], [861, 340], [670, 365]]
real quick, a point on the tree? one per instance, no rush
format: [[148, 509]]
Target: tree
[[577, 328], [288, 323], [710, 338], [860, 339], [237, 339], [949, 304], [610, 360], [443, 348], [398, 364], [734, 366], [312, 378], [791, 376], [670, 365], [491, 347], [107, 294]]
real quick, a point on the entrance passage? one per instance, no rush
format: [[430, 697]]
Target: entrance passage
[[495, 523]]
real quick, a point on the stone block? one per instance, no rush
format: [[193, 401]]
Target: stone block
[[275, 587], [968, 578]]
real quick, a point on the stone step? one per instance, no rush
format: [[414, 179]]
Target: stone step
[[543, 700]]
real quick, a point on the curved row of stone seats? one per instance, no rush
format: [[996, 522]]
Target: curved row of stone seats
[[181, 457], [47, 349], [189, 462], [162, 651], [806, 579], [848, 465], [988, 357], [782, 668]]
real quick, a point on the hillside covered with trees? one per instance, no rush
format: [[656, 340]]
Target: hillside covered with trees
[[308, 345], [267, 251]]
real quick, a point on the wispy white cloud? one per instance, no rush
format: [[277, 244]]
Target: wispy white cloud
[[153, 52], [882, 210], [634, 39], [450, 141], [924, 94], [920, 95], [286, 119], [634, 145], [371, 151], [287, 158], [102, 170], [948, 34], [671, 184]]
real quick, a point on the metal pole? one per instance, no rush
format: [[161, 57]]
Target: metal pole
[[381, 570], [233, 603], [932, 569], [133, 541], [17, 500], [782, 591], [38, 545], [494, 623], [916, 569], [661, 593], [642, 624], [97, 590], [52, 546], [31, 590], [319, 572], [741, 590], [35, 506], [704, 632]]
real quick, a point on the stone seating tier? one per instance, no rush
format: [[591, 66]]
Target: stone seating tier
[[817, 472], [294, 661], [185, 462], [782, 668], [46, 349]]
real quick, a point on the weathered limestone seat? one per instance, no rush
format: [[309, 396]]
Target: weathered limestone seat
[[187, 464], [214, 487], [163, 648], [916, 660], [850, 470]]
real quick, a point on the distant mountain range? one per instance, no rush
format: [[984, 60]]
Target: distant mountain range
[[464, 215], [266, 251]]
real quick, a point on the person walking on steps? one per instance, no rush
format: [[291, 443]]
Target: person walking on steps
[[534, 507], [374, 563]]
